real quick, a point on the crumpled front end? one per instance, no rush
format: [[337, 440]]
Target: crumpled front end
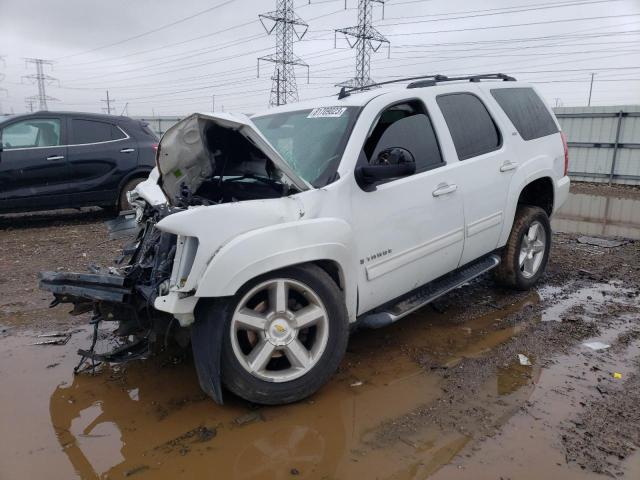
[[124, 293], [217, 178]]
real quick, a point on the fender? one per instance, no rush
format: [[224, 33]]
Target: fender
[[534, 169], [277, 246]]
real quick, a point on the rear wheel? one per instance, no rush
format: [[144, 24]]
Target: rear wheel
[[285, 335], [525, 256], [123, 203]]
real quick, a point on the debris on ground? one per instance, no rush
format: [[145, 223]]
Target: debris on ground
[[133, 471], [56, 339], [596, 345], [248, 418], [601, 242], [524, 360]]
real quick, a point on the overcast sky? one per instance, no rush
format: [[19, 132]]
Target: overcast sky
[[169, 57]]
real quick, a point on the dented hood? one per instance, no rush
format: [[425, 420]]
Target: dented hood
[[184, 157]]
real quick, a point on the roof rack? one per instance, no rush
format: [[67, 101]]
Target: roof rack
[[427, 81]]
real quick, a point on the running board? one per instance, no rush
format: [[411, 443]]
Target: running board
[[421, 296]]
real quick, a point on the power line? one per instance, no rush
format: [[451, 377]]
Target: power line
[[42, 80], [491, 27], [287, 25], [2, 77], [367, 40], [493, 11], [148, 32]]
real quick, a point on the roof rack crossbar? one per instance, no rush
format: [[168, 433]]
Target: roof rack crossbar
[[471, 78], [425, 81], [345, 91]]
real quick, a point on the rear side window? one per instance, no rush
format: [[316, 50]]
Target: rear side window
[[472, 129], [526, 111], [91, 131]]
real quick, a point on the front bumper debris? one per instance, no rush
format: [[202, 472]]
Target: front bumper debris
[[68, 287]]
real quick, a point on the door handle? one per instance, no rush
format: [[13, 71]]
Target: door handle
[[55, 157], [444, 189], [508, 165], [127, 150]]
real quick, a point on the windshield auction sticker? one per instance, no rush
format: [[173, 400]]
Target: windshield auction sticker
[[327, 112]]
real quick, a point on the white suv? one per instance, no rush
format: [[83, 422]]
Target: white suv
[[272, 236]]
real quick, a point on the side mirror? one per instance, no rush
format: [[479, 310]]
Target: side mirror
[[390, 163]]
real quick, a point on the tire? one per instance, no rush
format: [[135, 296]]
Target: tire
[[325, 342], [512, 272], [123, 203]]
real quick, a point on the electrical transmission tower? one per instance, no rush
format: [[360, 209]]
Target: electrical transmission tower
[[287, 25], [365, 39], [108, 101], [42, 80]]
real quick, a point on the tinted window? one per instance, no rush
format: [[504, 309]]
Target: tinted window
[[473, 130], [36, 132], [407, 126], [91, 131], [526, 111]]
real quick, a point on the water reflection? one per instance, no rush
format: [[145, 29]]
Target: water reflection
[[142, 419], [599, 215]]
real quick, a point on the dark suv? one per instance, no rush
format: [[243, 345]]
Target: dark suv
[[51, 160]]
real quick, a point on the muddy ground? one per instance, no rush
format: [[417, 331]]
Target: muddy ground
[[441, 394]]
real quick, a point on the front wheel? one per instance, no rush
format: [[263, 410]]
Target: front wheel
[[285, 335], [526, 253]]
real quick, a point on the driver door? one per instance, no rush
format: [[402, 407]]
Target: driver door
[[34, 173], [409, 230]]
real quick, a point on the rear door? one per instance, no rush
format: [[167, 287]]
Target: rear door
[[100, 155], [488, 163], [34, 172]]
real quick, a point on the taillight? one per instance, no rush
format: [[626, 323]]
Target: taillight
[[566, 153]]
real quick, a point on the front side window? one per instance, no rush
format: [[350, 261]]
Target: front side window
[[526, 111], [406, 126], [472, 129], [91, 131], [36, 132], [310, 141]]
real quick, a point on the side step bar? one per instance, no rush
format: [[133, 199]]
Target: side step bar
[[421, 296]]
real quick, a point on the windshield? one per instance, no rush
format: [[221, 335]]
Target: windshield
[[311, 141]]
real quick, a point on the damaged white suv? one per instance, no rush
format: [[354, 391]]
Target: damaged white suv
[[263, 241]]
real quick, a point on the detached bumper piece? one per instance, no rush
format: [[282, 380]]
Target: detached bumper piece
[[78, 287]]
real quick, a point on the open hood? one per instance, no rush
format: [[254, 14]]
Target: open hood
[[185, 157]]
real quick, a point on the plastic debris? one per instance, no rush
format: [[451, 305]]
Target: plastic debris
[[617, 375], [248, 418], [596, 345], [601, 242], [357, 383], [56, 339], [524, 360]]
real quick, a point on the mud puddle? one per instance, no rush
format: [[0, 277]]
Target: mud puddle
[[599, 215], [557, 434], [151, 420]]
